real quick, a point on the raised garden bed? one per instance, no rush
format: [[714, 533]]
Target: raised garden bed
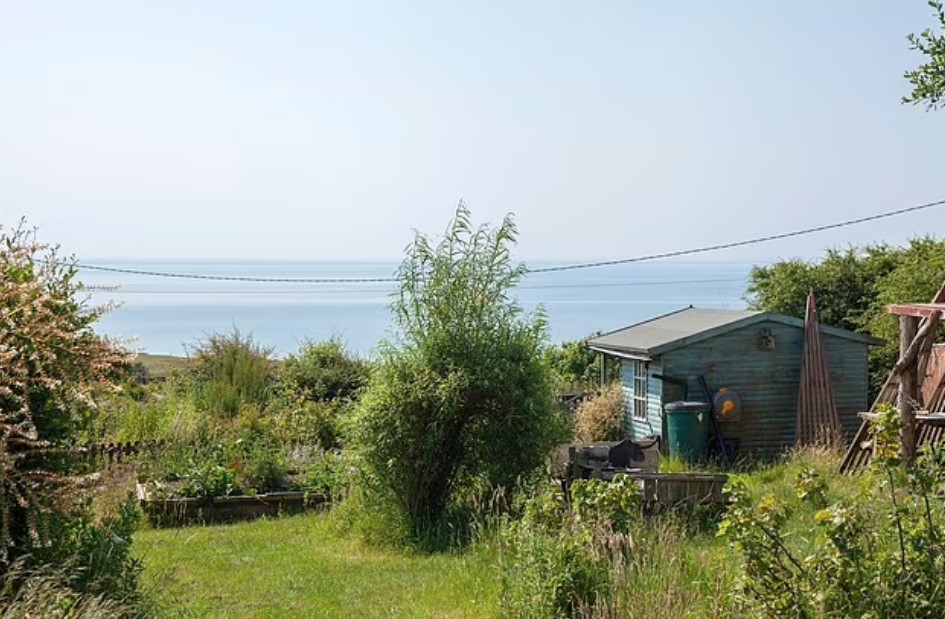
[[671, 490], [189, 510]]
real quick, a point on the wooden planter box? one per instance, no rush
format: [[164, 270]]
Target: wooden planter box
[[170, 512]]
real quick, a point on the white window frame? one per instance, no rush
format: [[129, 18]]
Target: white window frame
[[640, 400]]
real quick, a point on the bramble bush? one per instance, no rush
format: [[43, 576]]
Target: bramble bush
[[877, 553]]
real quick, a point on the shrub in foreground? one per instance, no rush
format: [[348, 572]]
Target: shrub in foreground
[[557, 562], [45, 595], [52, 367], [876, 554]]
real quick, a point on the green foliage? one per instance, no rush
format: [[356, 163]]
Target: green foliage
[[323, 372], [167, 412], [845, 283], [928, 80], [329, 475], [555, 562], [218, 466], [230, 372], [877, 553], [550, 576], [577, 368], [598, 556], [46, 593], [616, 503], [261, 465], [463, 393], [98, 554], [853, 287], [919, 272], [317, 423]]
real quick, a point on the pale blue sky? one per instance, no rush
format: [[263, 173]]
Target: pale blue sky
[[305, 130]]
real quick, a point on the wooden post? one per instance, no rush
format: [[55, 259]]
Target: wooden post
[[603, 370], [908, 326]]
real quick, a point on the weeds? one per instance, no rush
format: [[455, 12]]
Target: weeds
[[601, 418]]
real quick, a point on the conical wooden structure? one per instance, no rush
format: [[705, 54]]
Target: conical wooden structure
[[817, 420]]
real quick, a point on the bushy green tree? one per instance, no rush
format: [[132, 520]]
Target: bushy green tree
[[853, 288], [844, 281], [576, 367], [928, 80], [322, 372], [463, 392]]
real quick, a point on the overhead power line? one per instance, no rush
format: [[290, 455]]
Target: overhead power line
[[239, 278], [336, 291], [564, 267], [732, 244]]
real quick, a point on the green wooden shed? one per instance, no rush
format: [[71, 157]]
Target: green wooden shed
[[756, 354]]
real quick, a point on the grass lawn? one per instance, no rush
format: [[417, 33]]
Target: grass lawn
[[301, 567]]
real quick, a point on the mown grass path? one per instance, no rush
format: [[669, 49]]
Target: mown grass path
[[301, 567]]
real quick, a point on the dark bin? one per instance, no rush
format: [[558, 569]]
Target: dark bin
[[687, 427]]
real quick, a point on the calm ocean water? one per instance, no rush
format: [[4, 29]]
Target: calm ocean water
[[161, 315]]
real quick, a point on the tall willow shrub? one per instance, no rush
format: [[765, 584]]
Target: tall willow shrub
[[462, 395]]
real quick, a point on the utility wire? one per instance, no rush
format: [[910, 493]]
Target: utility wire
[[239, 278], [335, 291], [565, 267], [755, 241]]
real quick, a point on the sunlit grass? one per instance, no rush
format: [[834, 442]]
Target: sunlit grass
[[305, 566], [302, 567]]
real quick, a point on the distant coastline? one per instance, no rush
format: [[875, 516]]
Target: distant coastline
[[164, 315]]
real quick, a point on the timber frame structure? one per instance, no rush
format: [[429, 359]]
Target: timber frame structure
[[915, 386]]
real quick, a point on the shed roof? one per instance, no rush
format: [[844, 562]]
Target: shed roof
[[688, 325]]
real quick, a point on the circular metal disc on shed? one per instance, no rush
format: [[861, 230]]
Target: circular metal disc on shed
[[727, 404]]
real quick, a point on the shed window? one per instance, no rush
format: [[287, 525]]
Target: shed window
[[639, 390]]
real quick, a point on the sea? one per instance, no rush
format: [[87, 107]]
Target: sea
[[170, 315]]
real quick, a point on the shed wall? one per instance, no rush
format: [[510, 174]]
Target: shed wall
[[768, 380], [653, 424]]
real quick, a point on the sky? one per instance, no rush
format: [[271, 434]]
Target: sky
[[330, 131]]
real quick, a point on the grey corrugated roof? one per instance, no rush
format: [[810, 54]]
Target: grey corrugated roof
[[663, 333]]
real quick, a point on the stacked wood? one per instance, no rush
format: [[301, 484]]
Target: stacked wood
[[818, 422]]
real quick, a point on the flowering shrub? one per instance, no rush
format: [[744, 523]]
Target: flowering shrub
[[51, 366]]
